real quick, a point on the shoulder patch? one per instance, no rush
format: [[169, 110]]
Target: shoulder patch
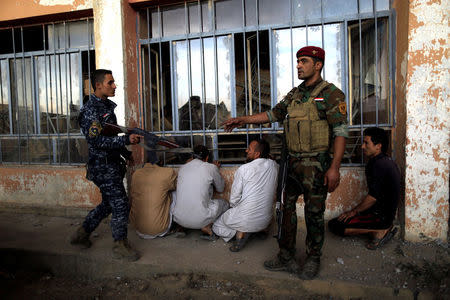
[[342, 108], [95, 129]]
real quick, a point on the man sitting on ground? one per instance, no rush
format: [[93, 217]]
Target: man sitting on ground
[[151, 194], [194, 207], [376, 213], [252, 197]]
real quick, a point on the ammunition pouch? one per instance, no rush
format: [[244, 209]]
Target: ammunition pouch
[[305, 131]]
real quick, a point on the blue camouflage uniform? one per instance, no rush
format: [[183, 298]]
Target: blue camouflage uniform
[[106, 166]]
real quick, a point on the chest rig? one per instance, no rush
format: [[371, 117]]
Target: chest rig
[[305, 131]]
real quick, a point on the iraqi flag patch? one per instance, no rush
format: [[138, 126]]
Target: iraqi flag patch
[[318, 99]]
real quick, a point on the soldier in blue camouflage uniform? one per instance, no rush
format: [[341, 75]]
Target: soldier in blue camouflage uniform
[[106, 166], [316, 111]]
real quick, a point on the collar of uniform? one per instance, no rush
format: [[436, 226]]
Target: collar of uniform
[[100, 102], [303, 88]]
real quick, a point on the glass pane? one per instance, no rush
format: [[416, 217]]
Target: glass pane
[[4, 97], [210, 83], [194, 17], [374, 78], [382, 5], [365, 6], [274, 12], [182, 83], [228, 14], [333, 60], [79, 33], [250, 13], [299, 37], [22, 94], [353, 153], [224, 72], [304, 10], [10, 149], [155, 21], [337, 8], [174, 21]]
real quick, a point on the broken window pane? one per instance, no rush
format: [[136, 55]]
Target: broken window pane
[[4, 97]]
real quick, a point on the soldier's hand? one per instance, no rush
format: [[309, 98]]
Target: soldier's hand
[[135, 138], [331, 179], [232, 123], [217, 163]]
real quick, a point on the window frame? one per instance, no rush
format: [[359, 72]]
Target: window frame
[[56, 56], [275, 128]]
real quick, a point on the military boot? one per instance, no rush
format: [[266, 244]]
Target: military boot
[[310, 268], [81, 238], [123, 250], [276, 264]]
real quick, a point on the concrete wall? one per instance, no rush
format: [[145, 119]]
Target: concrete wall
[[18, 9], [56, 187], [427, 120]]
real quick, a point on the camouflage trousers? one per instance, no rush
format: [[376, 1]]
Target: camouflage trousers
[[109, 179], [309, 172]]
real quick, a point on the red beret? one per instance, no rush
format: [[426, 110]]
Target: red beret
[[312, 51]]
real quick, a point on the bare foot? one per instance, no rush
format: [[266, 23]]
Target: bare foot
[[207, 229]]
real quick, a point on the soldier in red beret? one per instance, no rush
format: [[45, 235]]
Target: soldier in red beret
[[314, 117]]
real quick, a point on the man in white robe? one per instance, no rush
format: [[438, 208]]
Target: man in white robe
[[194, 207], [252, 197]]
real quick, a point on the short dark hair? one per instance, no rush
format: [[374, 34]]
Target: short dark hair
[[378, 136], [200, 152], [316, 60], [263, 148], [98, 76]]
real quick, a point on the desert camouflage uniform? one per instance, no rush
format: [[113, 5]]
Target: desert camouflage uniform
[[309, 169], [106, 167]]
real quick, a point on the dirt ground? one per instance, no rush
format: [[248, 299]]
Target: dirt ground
[[42, 285], [191, 267]]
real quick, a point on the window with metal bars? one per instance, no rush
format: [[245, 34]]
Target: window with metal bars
[[44, 76], [206, 61]]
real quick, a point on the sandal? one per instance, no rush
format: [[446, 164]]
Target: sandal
[[239, 244], [377, 243], [208, 237]]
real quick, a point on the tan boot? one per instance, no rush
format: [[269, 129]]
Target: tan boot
[[81, 238], [123, 250]]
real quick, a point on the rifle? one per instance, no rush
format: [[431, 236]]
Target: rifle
[[281, 187], [150, 140]]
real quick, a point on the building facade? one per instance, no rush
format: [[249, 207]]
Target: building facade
[[183, 67]]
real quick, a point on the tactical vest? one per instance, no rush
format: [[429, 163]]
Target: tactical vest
[[305, 131]]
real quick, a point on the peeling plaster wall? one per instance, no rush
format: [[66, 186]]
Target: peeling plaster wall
[[427, 121], [18, 9], [67, 187], [47, 186]]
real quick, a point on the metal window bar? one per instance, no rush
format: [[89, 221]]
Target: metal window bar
[[216, 83], [202, 62], [24, 95], [17, 97], [323, 37], [150, 77], [258, 64], [160, 71], [214, 32], [360, 79], [292, 43], [246, 90], [376, 59], [188, 48], [88, 56], [67, 78]]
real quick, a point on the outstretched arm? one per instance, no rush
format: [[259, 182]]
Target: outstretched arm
[[232, 123]]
